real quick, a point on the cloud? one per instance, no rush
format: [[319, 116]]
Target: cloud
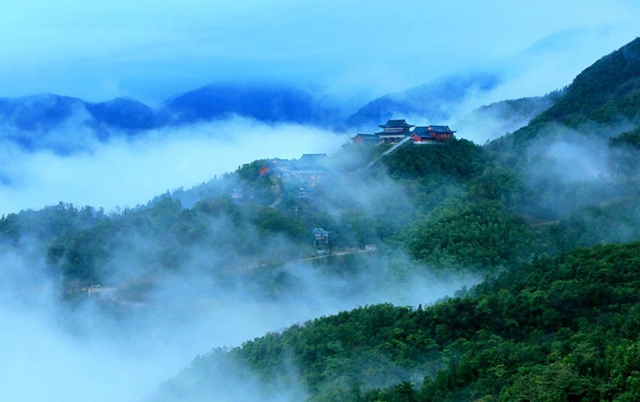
[[145, 324], [567, 169], [106, 347], [128, 172]]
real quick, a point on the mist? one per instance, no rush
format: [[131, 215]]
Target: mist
[[137, 323], [125, 172], [107, 348]]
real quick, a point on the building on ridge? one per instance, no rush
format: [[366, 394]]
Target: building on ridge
[[431, 134], [394, 131], [303, 174]]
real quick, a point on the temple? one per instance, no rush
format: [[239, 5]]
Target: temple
[[431, 134], [394, 131]]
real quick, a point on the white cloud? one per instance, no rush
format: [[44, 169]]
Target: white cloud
[[131, 172]]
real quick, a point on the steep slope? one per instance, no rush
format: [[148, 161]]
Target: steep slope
[[567, 169], [556, 329], [602, 100]]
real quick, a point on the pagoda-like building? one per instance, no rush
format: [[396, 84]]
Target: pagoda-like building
[[394, 131], [431, 134]]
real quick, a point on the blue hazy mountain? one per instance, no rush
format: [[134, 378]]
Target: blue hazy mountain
[[65, 124], [39, 112], [432, 101], [122, 113], [267, 103]]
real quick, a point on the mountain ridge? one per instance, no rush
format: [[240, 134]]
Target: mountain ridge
[[604, 95], [41, 121]]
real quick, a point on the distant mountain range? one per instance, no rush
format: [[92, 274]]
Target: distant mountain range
[[272, 104], [67, 124]]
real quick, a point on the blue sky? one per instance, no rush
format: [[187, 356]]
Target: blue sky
[[152, 50]]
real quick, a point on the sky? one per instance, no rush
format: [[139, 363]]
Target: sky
[[152, 50], [348, 50]]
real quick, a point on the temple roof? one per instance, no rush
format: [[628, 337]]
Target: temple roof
[[367, 136], [439, 129], [313, 158], [319, 232], [421, 130], [423, 134], [400, 123]]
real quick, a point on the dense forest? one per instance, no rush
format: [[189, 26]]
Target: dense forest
[[548, 216], [557, 328]]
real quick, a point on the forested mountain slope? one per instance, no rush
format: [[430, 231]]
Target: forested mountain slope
[[237, 222], [563, 328], [603, 100], [550, 322]]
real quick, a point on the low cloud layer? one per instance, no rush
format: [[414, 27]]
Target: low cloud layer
[[113, 346], [82, 351], [129, 172]]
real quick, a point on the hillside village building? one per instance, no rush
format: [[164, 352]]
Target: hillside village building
[[321, 240], [394, 131], [304, 174]]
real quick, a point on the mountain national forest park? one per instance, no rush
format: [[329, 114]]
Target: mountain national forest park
[[401, 260]]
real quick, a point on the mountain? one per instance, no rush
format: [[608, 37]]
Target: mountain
[[65, 124], [27, 121], [562, 328], [507, 116], [433, 102], [602, 100], [121, 114], [556, 325], [272, 104]]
